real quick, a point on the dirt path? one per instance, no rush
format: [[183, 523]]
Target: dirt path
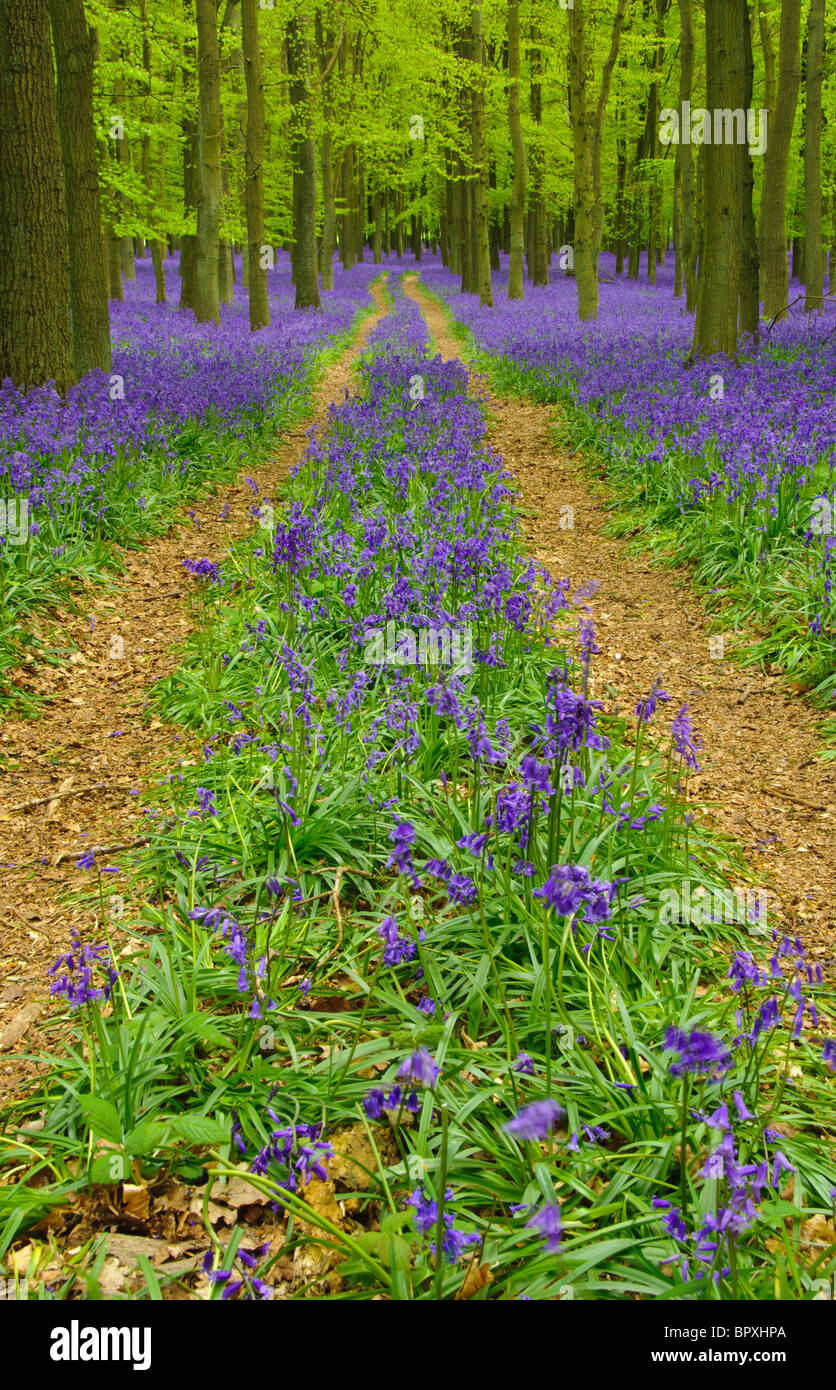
[[93, 733], [760, 775]]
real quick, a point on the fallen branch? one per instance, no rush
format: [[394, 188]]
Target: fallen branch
[[58, 796], [100, 849], [790, 796]]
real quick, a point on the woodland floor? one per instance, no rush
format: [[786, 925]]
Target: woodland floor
[[760, 781], [75, 776]]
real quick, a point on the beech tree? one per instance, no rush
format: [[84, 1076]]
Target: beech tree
[[254, 146], [36, 344], [813, 248], [87, 269], [773, 228], [209, 162], [480, 128], [718, 295]]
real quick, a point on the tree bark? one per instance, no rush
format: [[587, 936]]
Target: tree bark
[[720, 273], [329, 219], [517, 210], [813, 246], [88, 278], [188, 242], [538, 255], [480, 160], [598, 129], [750, 299], [304, 166], [773, 231], [254, 168], [684, 165], [156, 244], [36, 342], [209, 162], [586, 270]]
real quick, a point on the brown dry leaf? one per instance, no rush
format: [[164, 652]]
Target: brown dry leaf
[[215, 1212], [112, 1277], [354, 1162], [135, 1200], [18, 1260], [175, 1198], [818, 1231], [476, 1277], [239, 1193], [19, 1025], [126, 1248]]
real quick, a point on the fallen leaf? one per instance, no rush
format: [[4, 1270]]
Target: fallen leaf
[[476, 1277], [135, 1200]]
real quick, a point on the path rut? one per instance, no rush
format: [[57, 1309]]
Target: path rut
[[760, 778], [94, 733]]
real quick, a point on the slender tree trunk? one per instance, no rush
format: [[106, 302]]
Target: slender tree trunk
[[88, 289], [813, 246], [621, 232], [539, 264], [750, 299], [377, 216], [36, 342], [304, 166], [480, 160], [720, 274], [598, 128], [156, 244], [188, 242], [773, 231], [684, 165], [517, 210], [329, 219], [586, 270], [209, 162], [399, 224], [360, 224], [254, 168]]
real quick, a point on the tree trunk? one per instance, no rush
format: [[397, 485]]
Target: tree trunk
[[684, 165], [188, 242], [156, 245], [480, 160], [36, 342], [377, 216], [329, 220], [720, 273], [813, 247], [114, 263], [586, 270], [304, 166], [538, 256], [360, 223], [773, 238], [598, 129], [209, 162], [517, 210], [254, 169], [750, 299], [88, 287]]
